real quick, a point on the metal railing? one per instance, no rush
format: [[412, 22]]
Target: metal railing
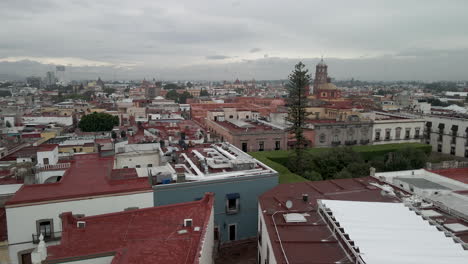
[[349, 246]]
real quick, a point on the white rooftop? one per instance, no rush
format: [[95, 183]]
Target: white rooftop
[[388, 233], [457, 227], [7, 189]]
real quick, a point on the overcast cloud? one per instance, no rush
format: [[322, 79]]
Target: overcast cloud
[[217, 39]]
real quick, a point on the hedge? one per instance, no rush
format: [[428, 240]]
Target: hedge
[[277, 159]]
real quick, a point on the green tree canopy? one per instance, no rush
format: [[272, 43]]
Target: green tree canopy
[[5, 93], [109, 91], [184, 96], [172, 95], [299, 81], [98, 122], [204, 93]]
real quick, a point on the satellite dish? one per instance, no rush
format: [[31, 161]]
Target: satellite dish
[[289, 204]]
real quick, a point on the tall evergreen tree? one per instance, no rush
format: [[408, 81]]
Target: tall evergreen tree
[[299, 81]]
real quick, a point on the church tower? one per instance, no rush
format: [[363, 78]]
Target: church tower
[[321, 75]]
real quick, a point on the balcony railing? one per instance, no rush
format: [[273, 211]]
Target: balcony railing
[[336, 143], [350, 142], [54, 236]]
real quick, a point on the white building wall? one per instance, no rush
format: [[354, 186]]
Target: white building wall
[[206, 254], [22, 220], [62, 120], [51, 155], [42, 176], [393, 125], [461, 140], [266, 242]]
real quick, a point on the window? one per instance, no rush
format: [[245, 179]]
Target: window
[[261, 146], [439, 148], [149, 165], [377, 135], [277, 145], [231, 116], [452, 150], [416, 133], [322, 138], [335, 138], [407, 133], [232, 232], [387, 134], [45, 161], [216, 233], [466, 153], [45, 227], [138, 166], [232, 203], [125, 167], [244, 146], [397, 133], [260, 234]]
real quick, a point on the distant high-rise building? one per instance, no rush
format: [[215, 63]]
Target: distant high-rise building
[[60, 73], [50, 78]]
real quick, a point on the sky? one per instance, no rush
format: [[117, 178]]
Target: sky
[[220, 39]]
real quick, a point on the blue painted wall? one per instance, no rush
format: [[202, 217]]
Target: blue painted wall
[[249, 188]]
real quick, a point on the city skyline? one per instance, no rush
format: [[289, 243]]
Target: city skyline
[[236, 39]]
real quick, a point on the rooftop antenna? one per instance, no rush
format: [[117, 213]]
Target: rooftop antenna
[[289, 204]]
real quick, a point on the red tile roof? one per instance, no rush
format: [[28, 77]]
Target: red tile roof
[[304, 242], [47, 147], [141, 236], [88, 175], [460, 174]]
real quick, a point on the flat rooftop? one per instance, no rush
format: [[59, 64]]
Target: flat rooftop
[[459, 174], [422, 183], [312, 241], [392, 233], [150, 235], [216, 161], [247, 126], [88, 175]]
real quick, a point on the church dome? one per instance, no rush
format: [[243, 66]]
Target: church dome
[[327, 86]]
